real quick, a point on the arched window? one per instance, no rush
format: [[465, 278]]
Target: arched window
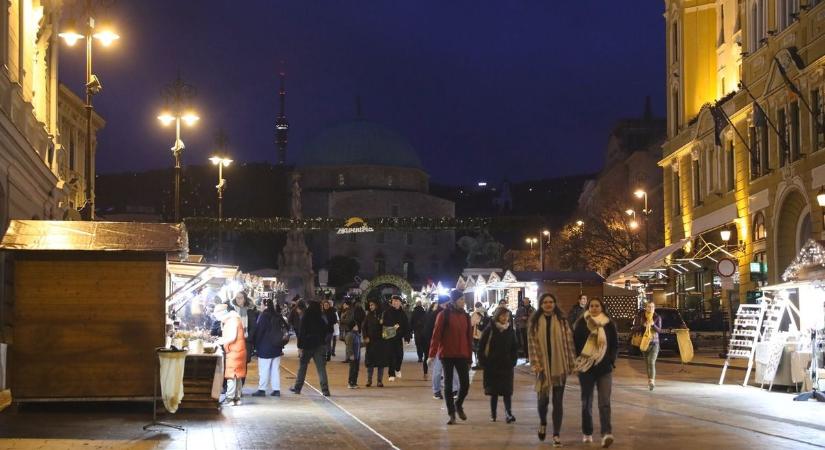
[[340, 179], [759, 230]]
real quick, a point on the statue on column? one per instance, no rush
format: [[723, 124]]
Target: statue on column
[[295, 206]]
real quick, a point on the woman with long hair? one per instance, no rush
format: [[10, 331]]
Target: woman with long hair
[[552, 358], [597, 345], [378, 351], [649, 325], [497, 355]]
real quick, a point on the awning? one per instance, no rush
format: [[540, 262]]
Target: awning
[[644, 263]]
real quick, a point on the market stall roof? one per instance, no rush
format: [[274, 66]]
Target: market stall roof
[[189, 269], [645, 263], [559, 276], [266, 272], [29, 235], [809, 260]]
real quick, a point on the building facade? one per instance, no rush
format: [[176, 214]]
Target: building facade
[[361, 169], [745, 82]]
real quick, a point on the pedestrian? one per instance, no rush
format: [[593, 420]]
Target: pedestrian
[[336, 329], [395, 317], [552, 358], [452, 342], [271, 335], [331, 319], [296, 311], [351, 321], [498, 354], [378, 351], [249, 317], [577, 310], [649, 325], [597, 345], [435, 364], [479, 321], [311, 346], [418, 323], [523, 313], [344, 330], [234, 345]]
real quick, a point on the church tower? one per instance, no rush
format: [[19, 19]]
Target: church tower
[[282, 125]]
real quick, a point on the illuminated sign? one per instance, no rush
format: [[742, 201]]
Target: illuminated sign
[[355, 225]]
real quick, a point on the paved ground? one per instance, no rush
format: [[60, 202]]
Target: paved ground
[[688, 410]]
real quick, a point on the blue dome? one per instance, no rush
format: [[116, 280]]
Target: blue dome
[[359, 142]]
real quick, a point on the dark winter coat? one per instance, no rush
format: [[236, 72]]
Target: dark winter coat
[[499, 363], [418, 322], [378, 349], [391, 317], [606, 365], [269, 335], [523, 314], [575, 312], [313, 328], [331, 318], [352, 317], [430, 326]]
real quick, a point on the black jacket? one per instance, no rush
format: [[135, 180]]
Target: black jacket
[[332, 319], [575, 312], [313, 328], [378, 349], [269, 333], [392, 316], [352, 317], [499, 362], [418, 321], [606, 365]]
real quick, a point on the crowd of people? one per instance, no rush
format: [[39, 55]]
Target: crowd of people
[[450, 341]]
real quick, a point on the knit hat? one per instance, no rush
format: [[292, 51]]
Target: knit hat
[[456, 294], [444, 299]]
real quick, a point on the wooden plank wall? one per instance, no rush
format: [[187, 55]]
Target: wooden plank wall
[[86, 328]]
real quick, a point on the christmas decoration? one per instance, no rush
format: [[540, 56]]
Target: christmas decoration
[[811, 256]]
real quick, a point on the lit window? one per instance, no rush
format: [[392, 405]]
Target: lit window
[[759, 230], [340, 179]]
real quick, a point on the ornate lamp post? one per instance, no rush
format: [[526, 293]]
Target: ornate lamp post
[[221, 162], [177, 94], [106, 37], [646, 212]]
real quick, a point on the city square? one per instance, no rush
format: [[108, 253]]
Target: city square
[[428, 225]]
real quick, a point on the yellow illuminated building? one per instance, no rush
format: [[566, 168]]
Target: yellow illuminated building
[[761, 177]]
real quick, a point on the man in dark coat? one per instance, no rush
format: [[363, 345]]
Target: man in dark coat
[[523, 313], [577, 310], [378, 352], [311, 334], [396, 317], [418, 323]]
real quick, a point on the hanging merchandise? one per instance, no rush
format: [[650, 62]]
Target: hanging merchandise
[[171, 378]]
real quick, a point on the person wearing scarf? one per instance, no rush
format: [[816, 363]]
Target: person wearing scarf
[[552, 358], [597, 345], [649, 325], [497, 355]]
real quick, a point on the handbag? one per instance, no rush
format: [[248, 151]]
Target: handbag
[[388, 332], [645, 341], [636, 339]]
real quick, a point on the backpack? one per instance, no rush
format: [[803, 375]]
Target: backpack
[[280, 335]]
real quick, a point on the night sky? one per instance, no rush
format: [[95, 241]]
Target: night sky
[[483, 90]]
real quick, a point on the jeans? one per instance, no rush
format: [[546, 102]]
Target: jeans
[[494, 404], [319, 356], [328, 340], [604, 383], [462, 366], [397, 355], [650, 360], [420, 348], [268, 373], [355, 362], [522, 337], [234, 387], [438, 370], [558, 409], [380, 374]]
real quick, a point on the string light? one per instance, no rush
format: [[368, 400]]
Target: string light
[[811, 255]]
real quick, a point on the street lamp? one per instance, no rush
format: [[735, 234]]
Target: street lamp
[[544, 234], [106, 36], [579, 223], [221, 162], [531, 241], [725, 235], [177, 93], [633, 224], [646, 213]]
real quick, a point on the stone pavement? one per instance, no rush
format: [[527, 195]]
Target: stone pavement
[[688, 410]]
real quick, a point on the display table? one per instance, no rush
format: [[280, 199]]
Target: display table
[[783, 372], [202, 381]]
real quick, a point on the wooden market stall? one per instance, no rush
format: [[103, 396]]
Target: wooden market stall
[[88, 307]]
